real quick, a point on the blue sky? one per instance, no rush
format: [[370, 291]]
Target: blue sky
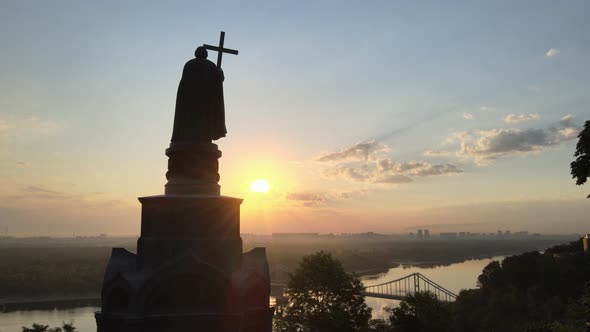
[[463, 107]]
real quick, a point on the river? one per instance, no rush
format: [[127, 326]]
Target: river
[[454, 277]]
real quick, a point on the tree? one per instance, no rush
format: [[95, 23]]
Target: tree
[[581, 166], [36, 328], [322, 297], [65, 327], [490, 275], [379, 325], [421, 312], [578, 311]]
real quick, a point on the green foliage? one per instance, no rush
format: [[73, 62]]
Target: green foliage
[[36, 328], [421, 312], [322, 297], [65, 327], [531, 292], [490, 275], [578, 311], [528, 292], [580, 167], [574, 247], [52, 271], [379, 325]]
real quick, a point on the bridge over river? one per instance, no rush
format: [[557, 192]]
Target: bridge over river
[[396, 289]]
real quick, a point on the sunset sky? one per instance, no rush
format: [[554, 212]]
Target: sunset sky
[[381, 116]]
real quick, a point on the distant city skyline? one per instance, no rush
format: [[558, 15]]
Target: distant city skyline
[[341, 117]]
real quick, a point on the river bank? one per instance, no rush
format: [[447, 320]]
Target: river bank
[[48, 302], [32, 276]]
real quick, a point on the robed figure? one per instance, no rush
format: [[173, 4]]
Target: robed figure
[[200, 111]]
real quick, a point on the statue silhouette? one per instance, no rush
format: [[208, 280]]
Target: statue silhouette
[[200, 112]]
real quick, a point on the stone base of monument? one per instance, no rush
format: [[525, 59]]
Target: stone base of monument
[[189, 273], [192, 168]]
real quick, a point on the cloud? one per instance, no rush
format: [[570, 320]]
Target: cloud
[[567, 128], [431, 170], [365, 163], [307, 198], [552, 52], [366, 167], [361, 174], [44, 193], [39, 193], [394, 179], [388, 171], [485, 146], [311, 199], [417, 168], [358, 152], [467, 116], [433, 153], [513, 118], [567, 121], [22, 163]]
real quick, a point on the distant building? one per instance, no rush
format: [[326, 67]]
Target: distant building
[[448, 235], [585, 242], [462, 234], [420, 235], [367, 234], [427, 234], [295, 235], [500, 234]]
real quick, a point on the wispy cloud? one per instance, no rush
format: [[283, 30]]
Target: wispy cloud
[[436, 153], [552, 52], [313, 199], [38, 193], [485, 146], [308, 198], [35, 191], [357, 152], [375, 168], [514, 118], [467, 116]]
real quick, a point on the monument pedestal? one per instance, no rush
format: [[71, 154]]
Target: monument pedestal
[[189, 273], [175, 224]]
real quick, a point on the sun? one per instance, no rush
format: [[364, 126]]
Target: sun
[[260, 186]]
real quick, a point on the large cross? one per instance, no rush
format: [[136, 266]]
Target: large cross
[[220, 50]]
